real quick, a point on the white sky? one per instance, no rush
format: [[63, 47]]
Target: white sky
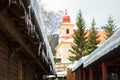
[[99, 9]]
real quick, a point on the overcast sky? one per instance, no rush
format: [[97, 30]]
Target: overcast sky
[[99, 9]]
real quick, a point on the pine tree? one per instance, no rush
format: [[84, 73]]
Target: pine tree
[[78, 48], [110, 27], [93, 38]]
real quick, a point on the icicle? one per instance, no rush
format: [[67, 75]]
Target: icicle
[[28, 27], [9, 2], [36, 35], [32, 29], [29, 17], [29, 12], [28, 30], [27, 20], [43, 56], [23, 5], [51, 68], [20, 2], [47, 51], [32, 1], [39, 48], [47, 54], [25, 16]]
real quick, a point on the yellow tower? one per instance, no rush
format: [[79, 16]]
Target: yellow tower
[[65, 38], [66, 28]]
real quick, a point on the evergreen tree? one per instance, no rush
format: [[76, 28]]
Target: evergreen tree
[[93, 38], [110, 27], [78, 48]]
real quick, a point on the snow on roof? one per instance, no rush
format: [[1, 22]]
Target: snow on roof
[[36, 8], [78, 63], [110, 44], [51, 76], [73, 65], [61, 74]]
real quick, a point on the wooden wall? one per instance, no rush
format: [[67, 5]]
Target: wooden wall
[[3, 59], [14, 68]]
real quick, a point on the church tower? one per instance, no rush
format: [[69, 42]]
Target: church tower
[[66, 27], [65, 39]]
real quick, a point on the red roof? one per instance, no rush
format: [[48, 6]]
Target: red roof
[[101, 34], [66, 18]]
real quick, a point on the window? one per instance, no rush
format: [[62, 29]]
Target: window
[[67, 31]]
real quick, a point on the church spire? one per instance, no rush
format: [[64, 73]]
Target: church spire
[[65, 17], [65, 11]]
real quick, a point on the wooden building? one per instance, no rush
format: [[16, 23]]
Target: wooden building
[[101, 64], [25, 53]]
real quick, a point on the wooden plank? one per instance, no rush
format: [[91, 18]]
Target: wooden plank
[[20, 77], [91, 73], [104, 71], [80, 74], [84, 75]]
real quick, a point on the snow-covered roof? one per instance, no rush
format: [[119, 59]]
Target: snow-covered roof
[[35, 5], [73, 65], [110, 44], [61, 74], [78, 63]]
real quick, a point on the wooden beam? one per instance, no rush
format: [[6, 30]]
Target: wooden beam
[[20, 75], [76, 77], [77, 74], [104, 71], [84, 75], [14, 52], [91, 73], [80, 74]]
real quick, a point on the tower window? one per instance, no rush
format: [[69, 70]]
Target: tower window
[[67, 31]]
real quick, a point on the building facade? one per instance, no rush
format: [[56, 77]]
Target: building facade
[[65, 40]]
